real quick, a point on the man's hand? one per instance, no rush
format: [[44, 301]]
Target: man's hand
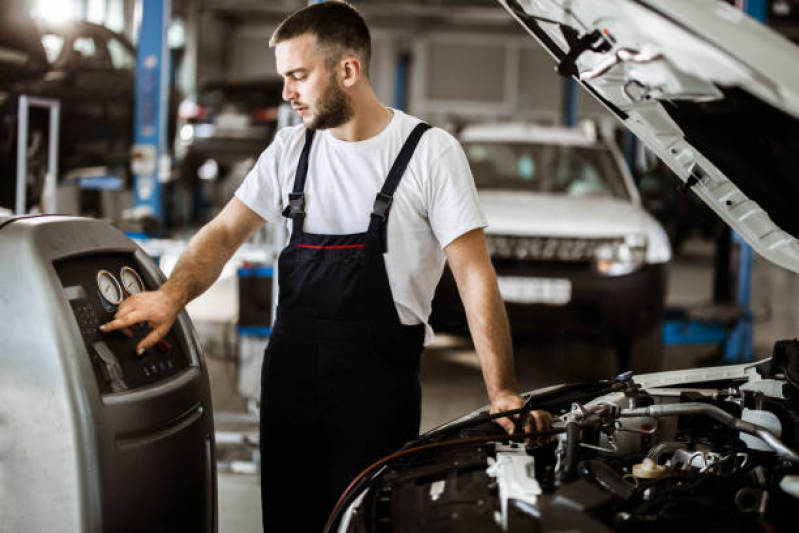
[[156, 308], [537, 421]]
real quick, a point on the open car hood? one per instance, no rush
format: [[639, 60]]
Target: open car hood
[[712, 92]]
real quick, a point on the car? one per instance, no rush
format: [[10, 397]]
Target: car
[[575, 252], [225, 123], [716, 96], [91, 71]]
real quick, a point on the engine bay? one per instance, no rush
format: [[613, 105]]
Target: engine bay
[[698, 450]]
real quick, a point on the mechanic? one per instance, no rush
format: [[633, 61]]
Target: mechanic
[[340, 385]]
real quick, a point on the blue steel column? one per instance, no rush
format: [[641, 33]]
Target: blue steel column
[[571, 92], [152, 85]]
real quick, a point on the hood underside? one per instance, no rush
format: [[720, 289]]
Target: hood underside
[[710, 91]]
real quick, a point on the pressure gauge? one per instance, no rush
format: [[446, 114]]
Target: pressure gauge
[[131, 281], [109, 287]]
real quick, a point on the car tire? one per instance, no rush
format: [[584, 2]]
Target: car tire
[[643, 352]]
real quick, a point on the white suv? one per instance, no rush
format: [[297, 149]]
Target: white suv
[[574, 250]]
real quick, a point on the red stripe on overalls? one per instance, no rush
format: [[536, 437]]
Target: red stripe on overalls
[[330, 247]]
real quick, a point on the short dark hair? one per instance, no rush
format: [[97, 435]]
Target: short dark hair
[[338, 27]]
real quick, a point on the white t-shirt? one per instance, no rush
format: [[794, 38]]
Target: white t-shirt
[[435, 202]]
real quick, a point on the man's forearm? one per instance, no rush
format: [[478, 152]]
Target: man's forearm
[[209, 250], [488, 324], [199, 266]]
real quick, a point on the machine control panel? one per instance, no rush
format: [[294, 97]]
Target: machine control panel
[[95, 286]]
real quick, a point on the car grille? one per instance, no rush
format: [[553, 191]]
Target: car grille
[[570, 250]]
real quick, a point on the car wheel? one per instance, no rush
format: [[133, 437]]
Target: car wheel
[[643, 352]]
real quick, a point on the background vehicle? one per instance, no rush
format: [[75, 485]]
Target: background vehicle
[[90, 70], [575, 253], [221, 126]]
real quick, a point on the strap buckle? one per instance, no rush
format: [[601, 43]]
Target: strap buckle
[[296, 205], [382, 205]]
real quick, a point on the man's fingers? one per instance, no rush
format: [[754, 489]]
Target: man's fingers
[[506, 424], [153, 337], [118, 323], [542, 419]]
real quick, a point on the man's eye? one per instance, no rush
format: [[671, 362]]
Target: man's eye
[[299, 77]]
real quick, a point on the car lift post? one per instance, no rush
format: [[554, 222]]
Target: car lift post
[[150, 160]]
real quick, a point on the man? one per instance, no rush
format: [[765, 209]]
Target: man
[[340, 382]]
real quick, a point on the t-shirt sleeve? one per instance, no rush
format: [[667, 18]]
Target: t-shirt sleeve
[[453, 206], [260, 190]]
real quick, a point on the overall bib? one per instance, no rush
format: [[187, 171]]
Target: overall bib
[[340, 386]]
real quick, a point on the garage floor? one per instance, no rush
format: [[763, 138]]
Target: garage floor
[[451, 380]]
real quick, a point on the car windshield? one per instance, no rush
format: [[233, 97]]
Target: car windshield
[[546, 168]]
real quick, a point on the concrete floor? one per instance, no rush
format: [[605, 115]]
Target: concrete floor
[[450, 375]]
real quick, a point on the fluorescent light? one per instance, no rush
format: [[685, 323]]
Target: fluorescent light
[[56, 10]]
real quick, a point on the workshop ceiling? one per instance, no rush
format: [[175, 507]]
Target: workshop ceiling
[[383, 13], [479, 15]]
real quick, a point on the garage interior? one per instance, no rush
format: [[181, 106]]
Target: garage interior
[[456, 64]]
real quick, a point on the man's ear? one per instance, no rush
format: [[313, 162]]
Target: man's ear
[[351, 67]]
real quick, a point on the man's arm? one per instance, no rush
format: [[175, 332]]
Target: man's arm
[[199, 266], [488, 323]]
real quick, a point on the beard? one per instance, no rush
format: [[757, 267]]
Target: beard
[[334, 108]]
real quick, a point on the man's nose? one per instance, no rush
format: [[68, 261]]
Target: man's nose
[[288, 91]]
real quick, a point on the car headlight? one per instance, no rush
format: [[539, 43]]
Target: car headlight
[[187, 133], [620, 256]]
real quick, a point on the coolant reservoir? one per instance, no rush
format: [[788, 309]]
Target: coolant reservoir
[[648, 469]]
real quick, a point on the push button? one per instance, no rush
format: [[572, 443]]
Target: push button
[[164, 346]]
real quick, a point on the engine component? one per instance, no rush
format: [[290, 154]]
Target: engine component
[[790, 484], [514, 472], [722, 416], [607, 478], [764, 419], [648, 469]]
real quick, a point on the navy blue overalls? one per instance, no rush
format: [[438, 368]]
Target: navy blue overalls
[[340, 386]]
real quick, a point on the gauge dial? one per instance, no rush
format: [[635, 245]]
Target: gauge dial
[[131, 281], [109, 287]]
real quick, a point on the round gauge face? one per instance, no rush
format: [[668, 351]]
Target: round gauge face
[[109, 287], [131, 281]]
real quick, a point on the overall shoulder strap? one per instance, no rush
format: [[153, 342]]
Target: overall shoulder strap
[[296, 208], [385, 197]]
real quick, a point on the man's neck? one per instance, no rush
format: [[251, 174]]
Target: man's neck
[[369, 118]]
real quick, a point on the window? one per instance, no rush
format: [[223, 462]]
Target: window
[[121, 56], [88, 54], [53, 46], [553, 169], [85, 47]]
